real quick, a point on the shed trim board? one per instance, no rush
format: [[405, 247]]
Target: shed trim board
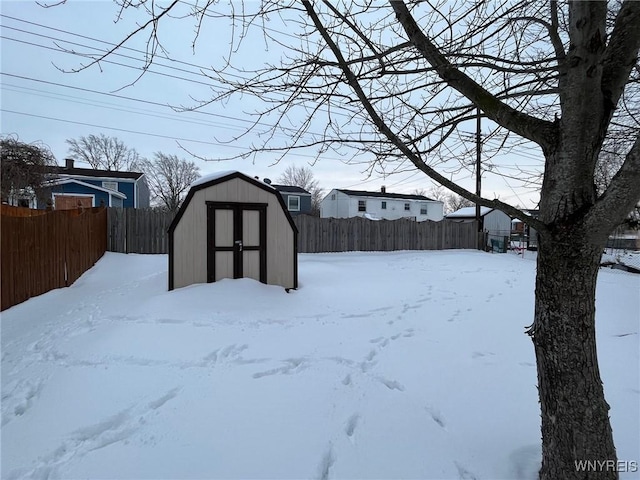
[[238, 247], [225, 177]]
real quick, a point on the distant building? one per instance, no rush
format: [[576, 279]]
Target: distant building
[[495, 222], [297, 199], [520, 232], [342, 203], [72, 187]]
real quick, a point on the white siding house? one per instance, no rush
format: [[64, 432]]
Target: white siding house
[[341, 203], [495, 222]]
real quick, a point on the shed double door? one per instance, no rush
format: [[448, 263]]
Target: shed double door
[[236, 241]]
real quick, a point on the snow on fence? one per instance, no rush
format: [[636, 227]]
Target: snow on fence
[[145, 231], [42, 250]]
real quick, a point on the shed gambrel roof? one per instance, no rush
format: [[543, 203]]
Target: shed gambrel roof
[[221, 177], [399, 196]]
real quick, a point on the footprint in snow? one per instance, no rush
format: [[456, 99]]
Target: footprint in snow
[[114, 429], [463, 473], [20, 399], [436, 416], [326, 463], [352, 423], [293, 365], [391, 384]]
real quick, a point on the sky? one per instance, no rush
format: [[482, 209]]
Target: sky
[[344, 378], [43, 100]]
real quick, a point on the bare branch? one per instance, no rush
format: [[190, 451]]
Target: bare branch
[[534, 129]]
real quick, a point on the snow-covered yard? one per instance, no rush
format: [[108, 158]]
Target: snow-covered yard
[[382, 365]]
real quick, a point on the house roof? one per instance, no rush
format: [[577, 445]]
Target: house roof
[[291, 189], [402, 196], [91, 172], [469, 212], [65, 181]]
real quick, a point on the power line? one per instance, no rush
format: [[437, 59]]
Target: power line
[[111, 62], [110, 106], [147, 102], [56, 39], [133, 99], [123, 47], [157, 135]]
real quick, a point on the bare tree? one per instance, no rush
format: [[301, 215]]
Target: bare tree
[[103, 152], [303, 177], [400, 83], [24, 169], [455, 202], [169, 178], [436, 193], [451, 201]]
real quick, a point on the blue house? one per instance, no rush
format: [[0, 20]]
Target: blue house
[[297, 199], [72, 187]]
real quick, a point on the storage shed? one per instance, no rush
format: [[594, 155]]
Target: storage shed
[[495, 222], [231, 225]]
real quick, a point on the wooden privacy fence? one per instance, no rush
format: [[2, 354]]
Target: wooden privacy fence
[[138, 230], [41, 250], [360, 234], [145, 231]]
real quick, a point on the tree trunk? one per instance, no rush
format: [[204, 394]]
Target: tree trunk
[[575, 420]]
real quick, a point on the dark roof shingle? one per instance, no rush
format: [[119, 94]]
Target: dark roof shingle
[[90, 172], [401, 196], [290, 188]]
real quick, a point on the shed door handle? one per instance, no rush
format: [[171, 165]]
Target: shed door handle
[[239, 244]]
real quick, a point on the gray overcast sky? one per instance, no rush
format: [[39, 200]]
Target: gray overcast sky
[[41, 103]]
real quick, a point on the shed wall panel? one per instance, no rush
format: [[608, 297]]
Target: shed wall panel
[[251, 264], [224, 265], [224, 228], [251, 228], [190, 244]]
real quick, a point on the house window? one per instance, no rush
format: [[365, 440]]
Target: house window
[[423, 209], [333, 196], [293, 203], [384, 205], [110, 185], [407, 207], [362, 205]]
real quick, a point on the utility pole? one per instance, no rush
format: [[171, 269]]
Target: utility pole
[[478, 180]]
